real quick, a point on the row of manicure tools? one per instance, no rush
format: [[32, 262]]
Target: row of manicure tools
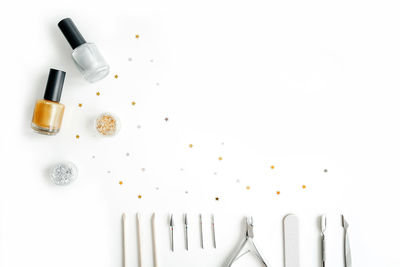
[[186, 228], [291, 243], [154, 237]]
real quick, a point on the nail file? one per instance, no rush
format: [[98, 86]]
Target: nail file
[[291, 240]]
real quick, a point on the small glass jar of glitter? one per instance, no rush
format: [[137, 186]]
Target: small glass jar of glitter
[[63, 173], [107, 124]]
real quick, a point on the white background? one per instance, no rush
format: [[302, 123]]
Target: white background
[[301, 85]]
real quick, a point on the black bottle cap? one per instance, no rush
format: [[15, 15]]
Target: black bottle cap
[[54, 86], [71, 33]]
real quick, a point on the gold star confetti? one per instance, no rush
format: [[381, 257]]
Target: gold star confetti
[[272, 167], [278, 192], [98, 93], [143, 169], [137, 36], [220, 158], [120, 182], [77, 136], [166, 119], [133, 103], [116, 76], [248, 187], [139, 196], [304, 187], [217, 198], [190, 145], [80, 105]]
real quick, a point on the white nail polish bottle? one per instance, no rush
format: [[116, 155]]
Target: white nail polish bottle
[[86, 55]]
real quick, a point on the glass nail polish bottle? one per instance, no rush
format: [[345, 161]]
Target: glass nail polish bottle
[[48, 113], [86, 55]]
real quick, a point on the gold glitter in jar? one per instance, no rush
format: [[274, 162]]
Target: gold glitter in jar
[[220, 158], [272, 167], [116, 76], [278, 192], [190, 145], [248, 187], [80, 105], [217, 198], [107, 124], [137, 36], [77, 136], [98, 93], [304, 187], [133, 103], [120, 182], [139, 196]]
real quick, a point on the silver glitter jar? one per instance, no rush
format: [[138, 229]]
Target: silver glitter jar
[[63, 173]]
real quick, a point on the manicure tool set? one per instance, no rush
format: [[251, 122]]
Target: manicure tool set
[[291, 238]]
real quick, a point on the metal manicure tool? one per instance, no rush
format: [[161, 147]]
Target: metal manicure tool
[[213, 231], [323, 246], [171, 230], [248, 239], [186, 231], [201, 231], [347, 253]]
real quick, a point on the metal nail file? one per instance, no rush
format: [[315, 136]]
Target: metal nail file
[[347, 253], [291, 240], [213, 231], [201, 231], [323, 242], [186, 232], [171, 230]]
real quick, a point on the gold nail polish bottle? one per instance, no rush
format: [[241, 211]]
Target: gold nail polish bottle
[[48, 113]]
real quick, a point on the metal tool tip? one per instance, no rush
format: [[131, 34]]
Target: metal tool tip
[[123, 216], [323, 222], [344, 222], [171, 220], [185, 218]]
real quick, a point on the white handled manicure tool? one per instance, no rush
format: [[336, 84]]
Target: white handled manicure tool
[[291, 240]]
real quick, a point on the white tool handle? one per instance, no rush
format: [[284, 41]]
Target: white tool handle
[[124, 240], [139, 239], [153, 229], [291, 240]]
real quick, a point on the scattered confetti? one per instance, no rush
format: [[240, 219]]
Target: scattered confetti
[[278, 192], [93, 157], [143, 169], [98, 93], [139, 126], [129, 59], [272, 167], [215, 173], [157, 84], [133, 103], [139, 196], [166, 119], [151, 60], [222, 143], [238, 181], [181, 169], [120, 182], [190, 145], [217, 198], [108, 171], [248, 187], [186, 192], [304, 187], [325, 170], [77, 136], [157, 188], [127, 154], [137, 36], [116, 76], [220, 158], [80, 105]]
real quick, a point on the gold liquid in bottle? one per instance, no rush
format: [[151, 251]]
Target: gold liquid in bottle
[[48, 113]]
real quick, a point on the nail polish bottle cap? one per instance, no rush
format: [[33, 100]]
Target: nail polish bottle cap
[[71, 33], [54, 86]]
